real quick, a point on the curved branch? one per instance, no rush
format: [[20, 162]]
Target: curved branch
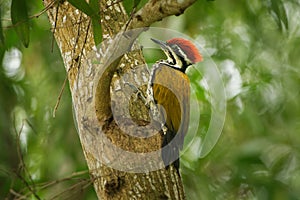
[[159, 9]]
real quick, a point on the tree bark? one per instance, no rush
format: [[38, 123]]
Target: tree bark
[[112, 122]]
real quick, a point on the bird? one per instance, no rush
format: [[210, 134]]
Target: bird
[[171, 92]]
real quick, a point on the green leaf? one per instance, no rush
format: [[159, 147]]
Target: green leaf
[[97, 31], [278, 8], [136, 3], [1, 33], [92, 9], [94, 4], [130, 5], [139, 3], [83, 6], [19, 17]]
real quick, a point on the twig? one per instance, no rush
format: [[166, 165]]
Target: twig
[[49, 184], [84, 183], [54, 29], [20, 196], [30, 17], [23, 165], [59, 96]]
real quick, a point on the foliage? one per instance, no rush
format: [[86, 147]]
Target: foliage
[[19, 18], [257, 156], [255, 45]]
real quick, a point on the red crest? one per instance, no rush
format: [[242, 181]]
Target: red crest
[[188, 47]]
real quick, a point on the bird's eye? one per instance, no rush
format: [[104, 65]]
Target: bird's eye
[[176, 48]]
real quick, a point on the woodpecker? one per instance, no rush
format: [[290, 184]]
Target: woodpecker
[[171, 91]]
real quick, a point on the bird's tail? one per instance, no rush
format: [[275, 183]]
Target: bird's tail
[[170, 151]]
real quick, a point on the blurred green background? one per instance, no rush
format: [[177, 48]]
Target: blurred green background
[[256, 46]]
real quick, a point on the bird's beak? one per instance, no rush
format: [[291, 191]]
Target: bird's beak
[[162, 44]]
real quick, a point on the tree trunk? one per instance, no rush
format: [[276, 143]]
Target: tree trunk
[[120, 143]]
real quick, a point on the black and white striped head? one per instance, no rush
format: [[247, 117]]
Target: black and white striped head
[[180, 53]]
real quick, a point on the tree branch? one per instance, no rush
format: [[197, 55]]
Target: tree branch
[[156, 10]]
